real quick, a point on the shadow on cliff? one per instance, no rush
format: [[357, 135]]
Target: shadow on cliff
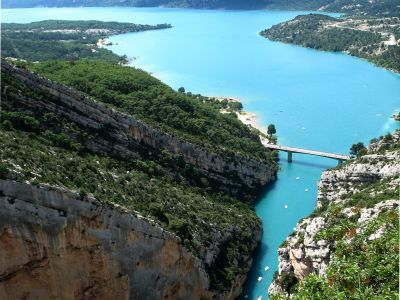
[[320, 165], [251, 281], [261, 251], [265, 190]]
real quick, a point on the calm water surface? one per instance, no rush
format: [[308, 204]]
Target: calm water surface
[[317, 100]]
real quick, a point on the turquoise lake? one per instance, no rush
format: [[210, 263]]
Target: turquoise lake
[[317, 100]]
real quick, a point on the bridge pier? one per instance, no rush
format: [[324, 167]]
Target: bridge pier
[[289, 156]]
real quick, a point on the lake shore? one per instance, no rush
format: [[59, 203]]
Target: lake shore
[[102, 43], [250, 118], [246, 117]]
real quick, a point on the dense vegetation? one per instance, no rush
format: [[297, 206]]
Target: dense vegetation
[[136, 92], [71, 40], [43, 147], [332, 34], [359, 7], [305, 30]]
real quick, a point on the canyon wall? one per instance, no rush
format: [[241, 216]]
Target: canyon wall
[[55, 244]]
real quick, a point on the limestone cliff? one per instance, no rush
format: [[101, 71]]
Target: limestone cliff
[[350, 197], [54, 244]]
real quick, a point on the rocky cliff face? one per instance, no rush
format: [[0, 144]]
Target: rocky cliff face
[[343, 191], [55, 244], [128, 137]]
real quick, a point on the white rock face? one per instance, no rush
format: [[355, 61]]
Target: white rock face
[[368, 214], [304, 254], [377, 234], [337, 183]]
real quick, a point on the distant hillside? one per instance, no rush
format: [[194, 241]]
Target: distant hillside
[[70, 40], [375, 39], [359, 7]]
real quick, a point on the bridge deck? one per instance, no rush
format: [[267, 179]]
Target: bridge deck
[[306, 151]]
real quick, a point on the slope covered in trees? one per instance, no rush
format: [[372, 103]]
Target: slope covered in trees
[[136, 92], [71, 40], [375, 39]]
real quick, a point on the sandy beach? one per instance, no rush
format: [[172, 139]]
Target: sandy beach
[[101, 43], [250, 118], [247, 118]]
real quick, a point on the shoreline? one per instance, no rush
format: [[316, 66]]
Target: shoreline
[[246, 117], [251, 119]]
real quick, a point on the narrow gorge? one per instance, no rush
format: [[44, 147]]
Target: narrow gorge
[[142, 229]]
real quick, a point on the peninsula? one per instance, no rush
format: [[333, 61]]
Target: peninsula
[[376, 39]]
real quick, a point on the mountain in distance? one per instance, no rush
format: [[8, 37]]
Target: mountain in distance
[[360, 7]]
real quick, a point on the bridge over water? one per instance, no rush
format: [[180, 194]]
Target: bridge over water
[[291, 150]]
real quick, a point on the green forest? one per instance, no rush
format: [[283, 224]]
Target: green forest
[[136, 92], [69, 40], [326, 33]]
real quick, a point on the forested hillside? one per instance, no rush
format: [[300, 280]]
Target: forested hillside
[[375, 39], [70, 40], [59, 139]]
